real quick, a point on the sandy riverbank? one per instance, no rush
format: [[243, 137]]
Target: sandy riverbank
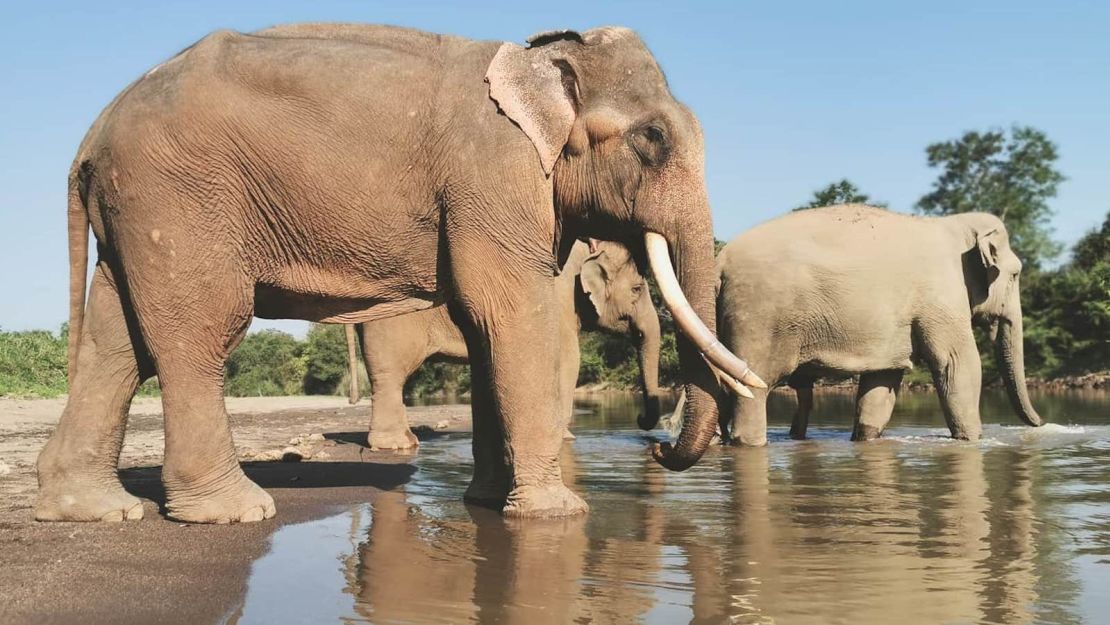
[[156, 570]]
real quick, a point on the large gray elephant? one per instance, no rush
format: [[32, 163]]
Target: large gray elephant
[[346, 173], [854, 289], [600, 288]]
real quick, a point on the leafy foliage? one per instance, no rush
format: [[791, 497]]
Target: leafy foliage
[[325, 353], [1067, 310], [435, 378], [269, 362], [843, 191], [1012, 176], [33, 364]]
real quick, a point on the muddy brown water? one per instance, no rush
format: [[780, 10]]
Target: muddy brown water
[[914, 528]]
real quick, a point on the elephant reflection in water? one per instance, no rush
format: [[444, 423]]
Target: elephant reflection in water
[[482, 568], [807, 542], [874, 533], [466, 569]]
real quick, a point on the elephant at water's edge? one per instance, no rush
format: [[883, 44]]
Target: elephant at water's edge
[[854, 289], [345, 173], [599, 288]]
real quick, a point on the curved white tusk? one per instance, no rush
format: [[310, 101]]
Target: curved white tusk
[[687, 320], [728, 381]]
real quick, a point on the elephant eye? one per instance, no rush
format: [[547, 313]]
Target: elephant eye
[[650, 143], [654, 134]]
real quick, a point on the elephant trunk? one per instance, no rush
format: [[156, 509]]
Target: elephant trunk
[[691, 298], [352, 363], [1010, 352], [647, 323]]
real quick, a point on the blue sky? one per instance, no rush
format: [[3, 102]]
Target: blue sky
[[792, 95]]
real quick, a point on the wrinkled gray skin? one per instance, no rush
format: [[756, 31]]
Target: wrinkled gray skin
[[853, 289], [345, 173], [600, 288]]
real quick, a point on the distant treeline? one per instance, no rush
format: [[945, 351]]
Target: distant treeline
[[1010, 174], [271, 362]]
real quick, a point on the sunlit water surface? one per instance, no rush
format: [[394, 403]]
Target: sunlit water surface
[[914, 528]]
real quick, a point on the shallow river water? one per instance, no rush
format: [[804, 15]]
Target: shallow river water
[[914, 528]]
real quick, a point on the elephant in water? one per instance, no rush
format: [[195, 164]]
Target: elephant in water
[[344, 173], [854, 289], [599, 288]]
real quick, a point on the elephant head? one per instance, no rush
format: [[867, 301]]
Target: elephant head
[[618, 301], [992, 272], [626, 161]]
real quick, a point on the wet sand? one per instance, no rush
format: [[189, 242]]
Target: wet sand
[[157, 570]]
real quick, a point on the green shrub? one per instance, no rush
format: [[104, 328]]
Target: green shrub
[[435, 378], [33, 363], [325, 353], [269, 362]]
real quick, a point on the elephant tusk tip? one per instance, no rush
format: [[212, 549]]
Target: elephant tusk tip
[[739, 388], [753, 380]]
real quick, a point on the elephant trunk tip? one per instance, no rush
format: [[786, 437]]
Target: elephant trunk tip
[[648, 419], [665, 454], [1033, 419]]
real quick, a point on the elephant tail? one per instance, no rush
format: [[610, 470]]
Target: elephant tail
[[78, 224]]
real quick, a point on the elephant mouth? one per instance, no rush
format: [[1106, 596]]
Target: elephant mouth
[[729, 369]]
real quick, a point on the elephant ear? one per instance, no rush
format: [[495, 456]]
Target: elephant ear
[[537, 88], [988, 251], [594, 279]]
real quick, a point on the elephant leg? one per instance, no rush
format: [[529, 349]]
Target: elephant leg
[[958, 375], [389, 422], [749, 419], [77, 468], [523, 368], [878, 390], [569, 362], [490, 484], [204, 482], [388, 370], [800, 423]]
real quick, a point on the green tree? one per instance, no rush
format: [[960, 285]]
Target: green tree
[[269, 362], [435, 378], [1009, 175], [325, 353], [1094, 247], [843, 191], [1067, 310]]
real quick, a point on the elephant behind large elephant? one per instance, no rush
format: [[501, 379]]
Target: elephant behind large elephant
[[854, 289], [345, 173], [599, 288]]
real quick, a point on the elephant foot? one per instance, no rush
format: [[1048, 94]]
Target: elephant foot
[[967, 435], [568, 435], [486, 495], [866, 433], [392, 440], [242, 502], [798, 435], [543, 502], [748, 441], [78, 500]]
